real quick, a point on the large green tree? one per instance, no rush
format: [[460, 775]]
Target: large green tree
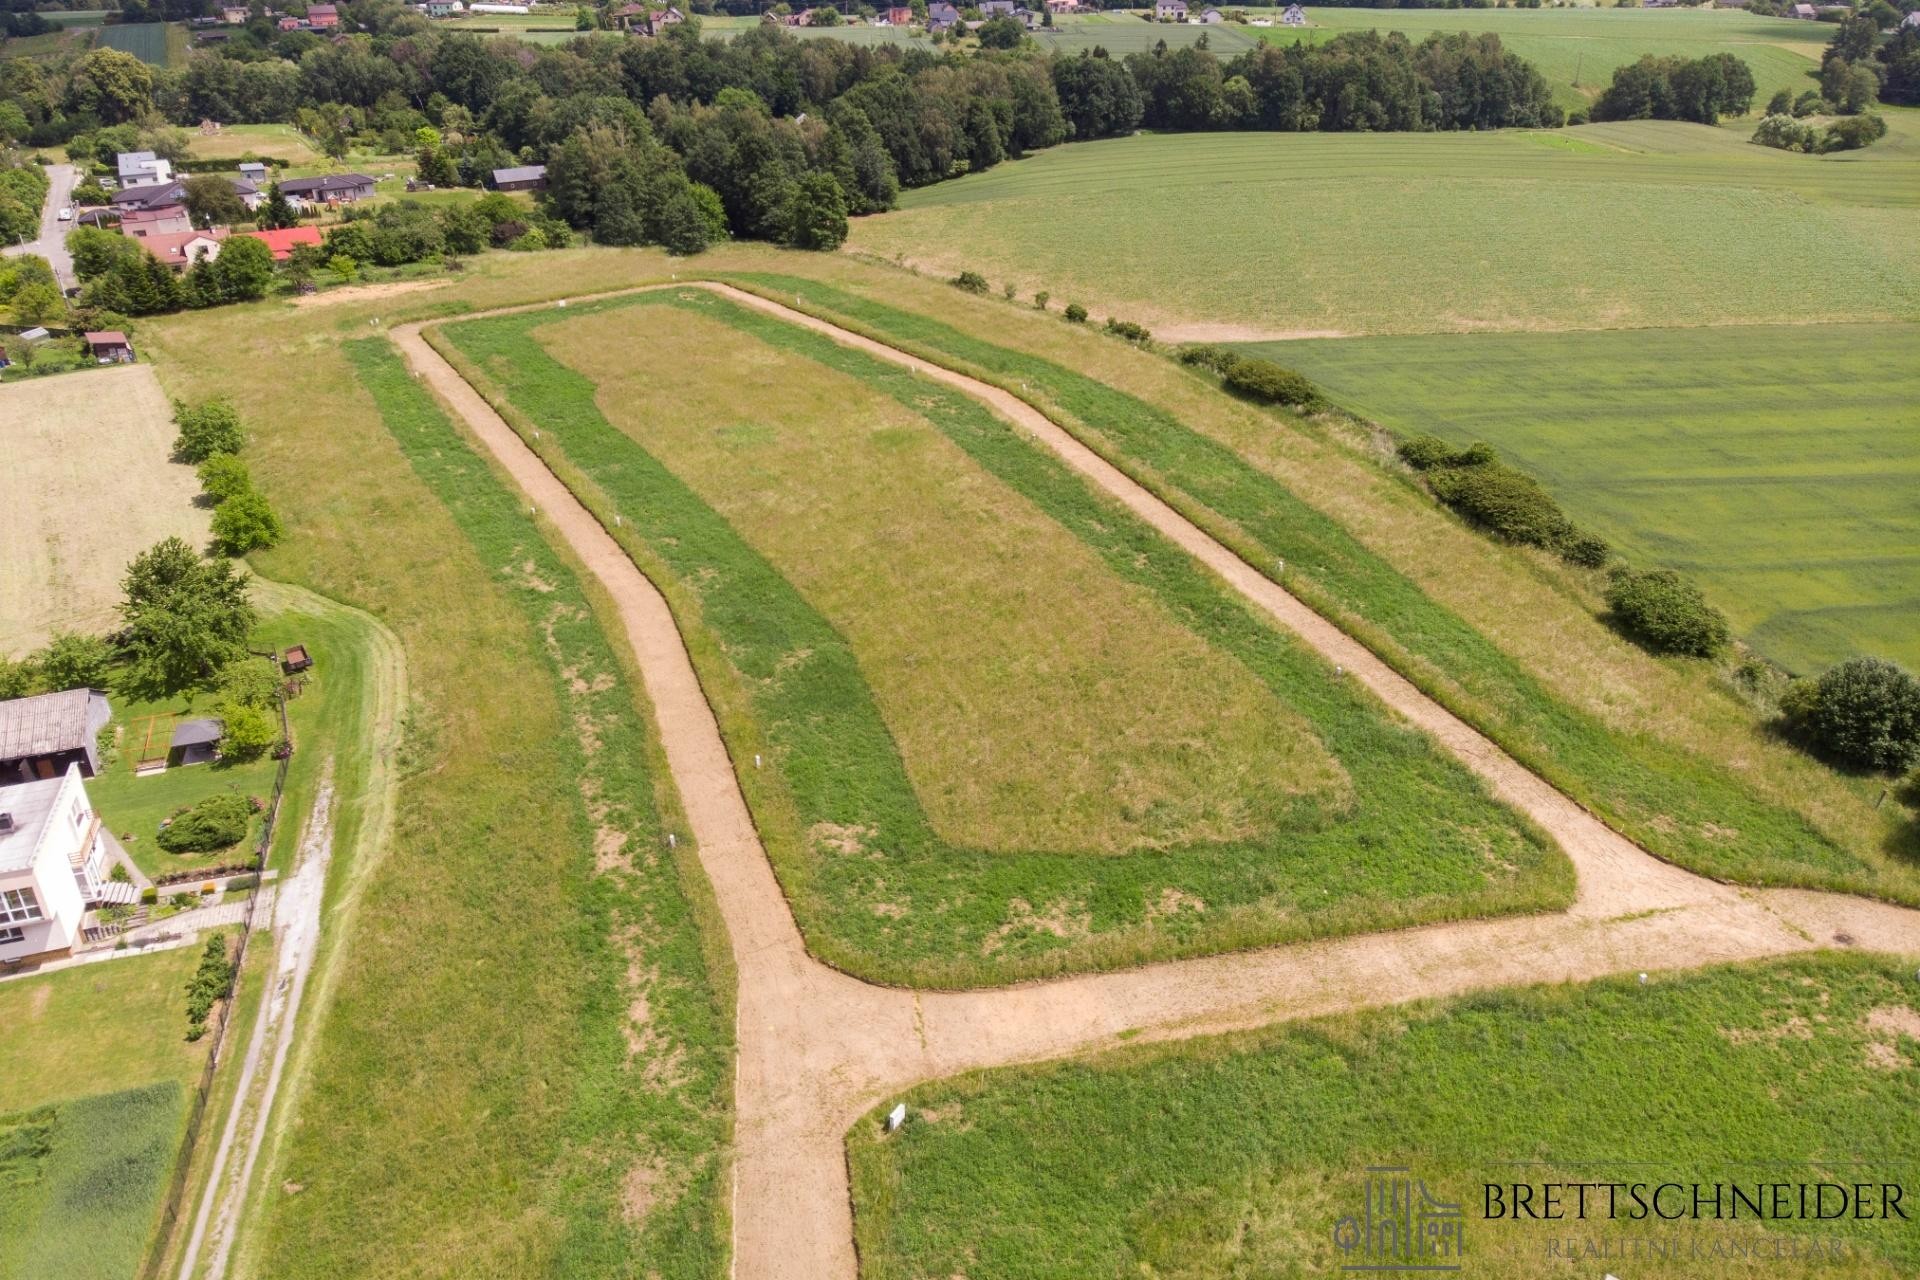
[[185, 616]]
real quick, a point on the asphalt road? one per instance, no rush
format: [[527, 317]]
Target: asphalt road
[[52, 244]]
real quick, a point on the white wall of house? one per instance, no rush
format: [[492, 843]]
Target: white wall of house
[[52, 862]]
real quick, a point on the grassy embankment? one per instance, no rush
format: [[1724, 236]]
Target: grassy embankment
[[95, 1072], [1236, 1156], [1670, 759], [522, 1066], [876, 886], [1775, 466]]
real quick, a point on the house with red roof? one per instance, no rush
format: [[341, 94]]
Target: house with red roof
[[322, 16], [284, 240], [181, 249]]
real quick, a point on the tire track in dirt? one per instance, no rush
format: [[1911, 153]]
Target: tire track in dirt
[[817, 1048]]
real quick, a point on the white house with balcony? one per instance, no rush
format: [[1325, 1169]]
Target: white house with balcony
[[52, 864]]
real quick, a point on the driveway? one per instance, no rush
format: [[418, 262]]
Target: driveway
[[52, 244]]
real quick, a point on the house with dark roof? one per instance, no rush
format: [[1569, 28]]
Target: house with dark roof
[[141, 168], [334, 188], [253, 171], [41, 736], [526, 177], [996, 8], [195, 741], [942, 17]]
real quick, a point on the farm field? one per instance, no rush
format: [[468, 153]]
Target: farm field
[[94, 1076], [1507, 643], [1779, 467], [555, 27], [1237, 1156], [1326, 234], [152, 42], [1002, 689], [1577, 49], [273, 141], [60, 435]]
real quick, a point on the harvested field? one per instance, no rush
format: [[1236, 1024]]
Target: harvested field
[[88, 485]]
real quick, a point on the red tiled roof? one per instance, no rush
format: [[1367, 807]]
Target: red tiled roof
[[282, 241], [107, 338], [171, 246]]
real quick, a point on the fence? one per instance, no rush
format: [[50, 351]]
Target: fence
[[203, 1091]]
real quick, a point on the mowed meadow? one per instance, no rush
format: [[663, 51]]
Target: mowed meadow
[[1779, 466], [1261, 235], [1237, 1156], [931, 799]]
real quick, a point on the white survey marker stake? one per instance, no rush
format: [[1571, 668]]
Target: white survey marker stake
[[898, 1117]]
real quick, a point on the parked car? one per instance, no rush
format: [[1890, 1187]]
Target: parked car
[[66, 215]]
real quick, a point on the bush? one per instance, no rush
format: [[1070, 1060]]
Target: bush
[[1075, 313], [224, 476], [1588, 550], [209, 983], [207, 429], [1425, 452], [1209, 355], [1853, 133], [1864, 712], [1269, 383], [1127, 329], [970, 281], [1666, 612], [249, 682], [249, 731], [1040, 300], [74, 661], [245, 523], [1503, 500], [149, 896], [1009, 291], [214, 823], [1784, 133]]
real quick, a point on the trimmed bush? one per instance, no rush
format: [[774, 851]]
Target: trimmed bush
[[1425, 452], [214, 823], [1137, 334], [1504, 501], [1666, 613], [970, 281], [1209, 355], [1864, 712], [1075, 313], [1269, 383]]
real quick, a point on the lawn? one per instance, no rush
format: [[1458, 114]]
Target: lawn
[[271, 141], [1779, 467], [1510, 642], [95, 1071], [876, 887], [1237, 1156], [1576, 49], [519, 1063], [61, 436], [1605, 226]]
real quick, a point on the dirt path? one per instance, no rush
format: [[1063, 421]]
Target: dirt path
[[296, 930], [817, 1048]]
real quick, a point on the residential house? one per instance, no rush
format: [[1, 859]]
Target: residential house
[[161, 220], [41, 736], [441, 8], [1170, 10], [142, 168], [996, 8], [1212, 17], [335, 188], [1295, 16], [942, 17], [900, 15], [161, 194], [254, 171], [323, 17], [1805, 11], [289, 24], [284, 240], [630, 17], [1031, 19], [108, 346], [234, 15], [1911, 20], [53, 858], [1062, 6], [526, 177], [181, 249]]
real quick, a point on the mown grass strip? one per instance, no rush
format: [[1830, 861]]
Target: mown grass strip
[[629, 1158], [1676, 804], [873, 886], [1235, 1156]]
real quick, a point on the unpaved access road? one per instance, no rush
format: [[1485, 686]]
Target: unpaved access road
[[818, 1048]]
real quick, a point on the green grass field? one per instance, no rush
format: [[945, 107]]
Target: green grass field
[[146, 41], [1610, 226], [1553, 689], [95, 1069], [276, 141], [1237, 1156], [1779, 467], [876, 888], [1576, 50]]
